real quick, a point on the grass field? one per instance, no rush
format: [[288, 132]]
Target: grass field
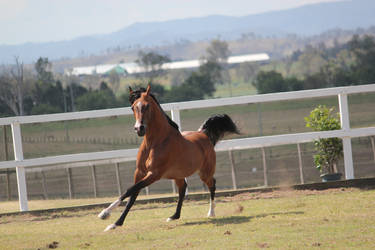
[[334, 219]]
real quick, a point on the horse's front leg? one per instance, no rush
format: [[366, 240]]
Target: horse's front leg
[[105, 214], [120, 221], [133, 192]]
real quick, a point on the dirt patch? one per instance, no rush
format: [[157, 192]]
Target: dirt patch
[[53, 245], [285, 192]]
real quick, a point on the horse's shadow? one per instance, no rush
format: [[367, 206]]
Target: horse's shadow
[[235, 219]]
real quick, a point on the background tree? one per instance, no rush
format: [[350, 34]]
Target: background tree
[[218, 52], [101, 98], [43, 70], [270, 82], [293, 84], [364, 51], [114, 79], [247, 71], [8, 93], [198, 85], [48, 95], [151, 62], [13, 87]]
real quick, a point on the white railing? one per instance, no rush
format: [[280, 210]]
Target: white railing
[[346, 133]]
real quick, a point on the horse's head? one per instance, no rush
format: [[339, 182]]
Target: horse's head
[[141, 105]]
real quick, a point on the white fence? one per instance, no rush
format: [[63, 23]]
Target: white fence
[[346, 133]]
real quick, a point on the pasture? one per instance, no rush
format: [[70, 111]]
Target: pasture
[[336, 218]]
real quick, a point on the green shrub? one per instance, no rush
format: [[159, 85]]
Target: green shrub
[[329, 150], [43, 108]]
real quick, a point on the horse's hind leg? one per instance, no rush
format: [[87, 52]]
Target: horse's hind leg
[[211, 184], [212, 187], [181, 184]]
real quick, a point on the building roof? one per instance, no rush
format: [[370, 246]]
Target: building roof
[[132, 68]]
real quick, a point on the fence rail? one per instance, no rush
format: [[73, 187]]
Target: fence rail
[[346, 133]]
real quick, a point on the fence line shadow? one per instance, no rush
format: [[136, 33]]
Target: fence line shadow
[[236, 219]]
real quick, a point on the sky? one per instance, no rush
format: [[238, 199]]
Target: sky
[[23, 21]]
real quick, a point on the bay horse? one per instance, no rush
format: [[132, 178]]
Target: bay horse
[[165, 153]]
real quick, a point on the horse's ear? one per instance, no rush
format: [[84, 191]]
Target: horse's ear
[[148, 89], [130, 90]]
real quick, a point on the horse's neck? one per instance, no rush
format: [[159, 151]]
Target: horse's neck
[[158, 129]]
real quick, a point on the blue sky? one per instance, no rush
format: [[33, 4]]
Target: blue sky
[[24, 21]]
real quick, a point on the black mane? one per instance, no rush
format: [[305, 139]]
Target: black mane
[[137, 94]]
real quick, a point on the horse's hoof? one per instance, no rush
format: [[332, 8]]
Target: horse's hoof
[[110, 227], [211, 214], [104, 214], [169, 219]]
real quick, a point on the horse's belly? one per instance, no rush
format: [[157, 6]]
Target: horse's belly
[[180, 171], [186, 156]]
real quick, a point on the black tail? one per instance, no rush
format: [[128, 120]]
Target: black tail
[[216, 126]]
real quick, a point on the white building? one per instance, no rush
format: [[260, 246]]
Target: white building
[[132, 68]]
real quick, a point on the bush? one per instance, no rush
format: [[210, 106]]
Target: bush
[[329, 149], [96, 100], [270, 82], [43, 108]]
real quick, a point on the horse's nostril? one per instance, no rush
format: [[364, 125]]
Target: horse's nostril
[[141, 130]]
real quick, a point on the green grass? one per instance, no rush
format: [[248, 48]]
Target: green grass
[[235, 89], [337, 219]]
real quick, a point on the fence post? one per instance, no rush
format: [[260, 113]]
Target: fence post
[[68, 171], [20, 171], [300, 164], [117, 165], [264, 168], [175, 113], [5, 139], [347, 144], [373, 146], [173, 187], [176, 117], [233, 169], [44, 185], [7, 179], [93, 174]]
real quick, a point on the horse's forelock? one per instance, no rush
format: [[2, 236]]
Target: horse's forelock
[[135, 95]]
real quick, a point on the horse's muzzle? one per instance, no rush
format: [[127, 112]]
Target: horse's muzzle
[[141, 130]]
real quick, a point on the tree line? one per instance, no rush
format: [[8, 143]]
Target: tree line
[[352, 63], [25, 91], [31, 91]]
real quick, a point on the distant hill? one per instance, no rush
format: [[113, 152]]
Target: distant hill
[[303, 21]]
